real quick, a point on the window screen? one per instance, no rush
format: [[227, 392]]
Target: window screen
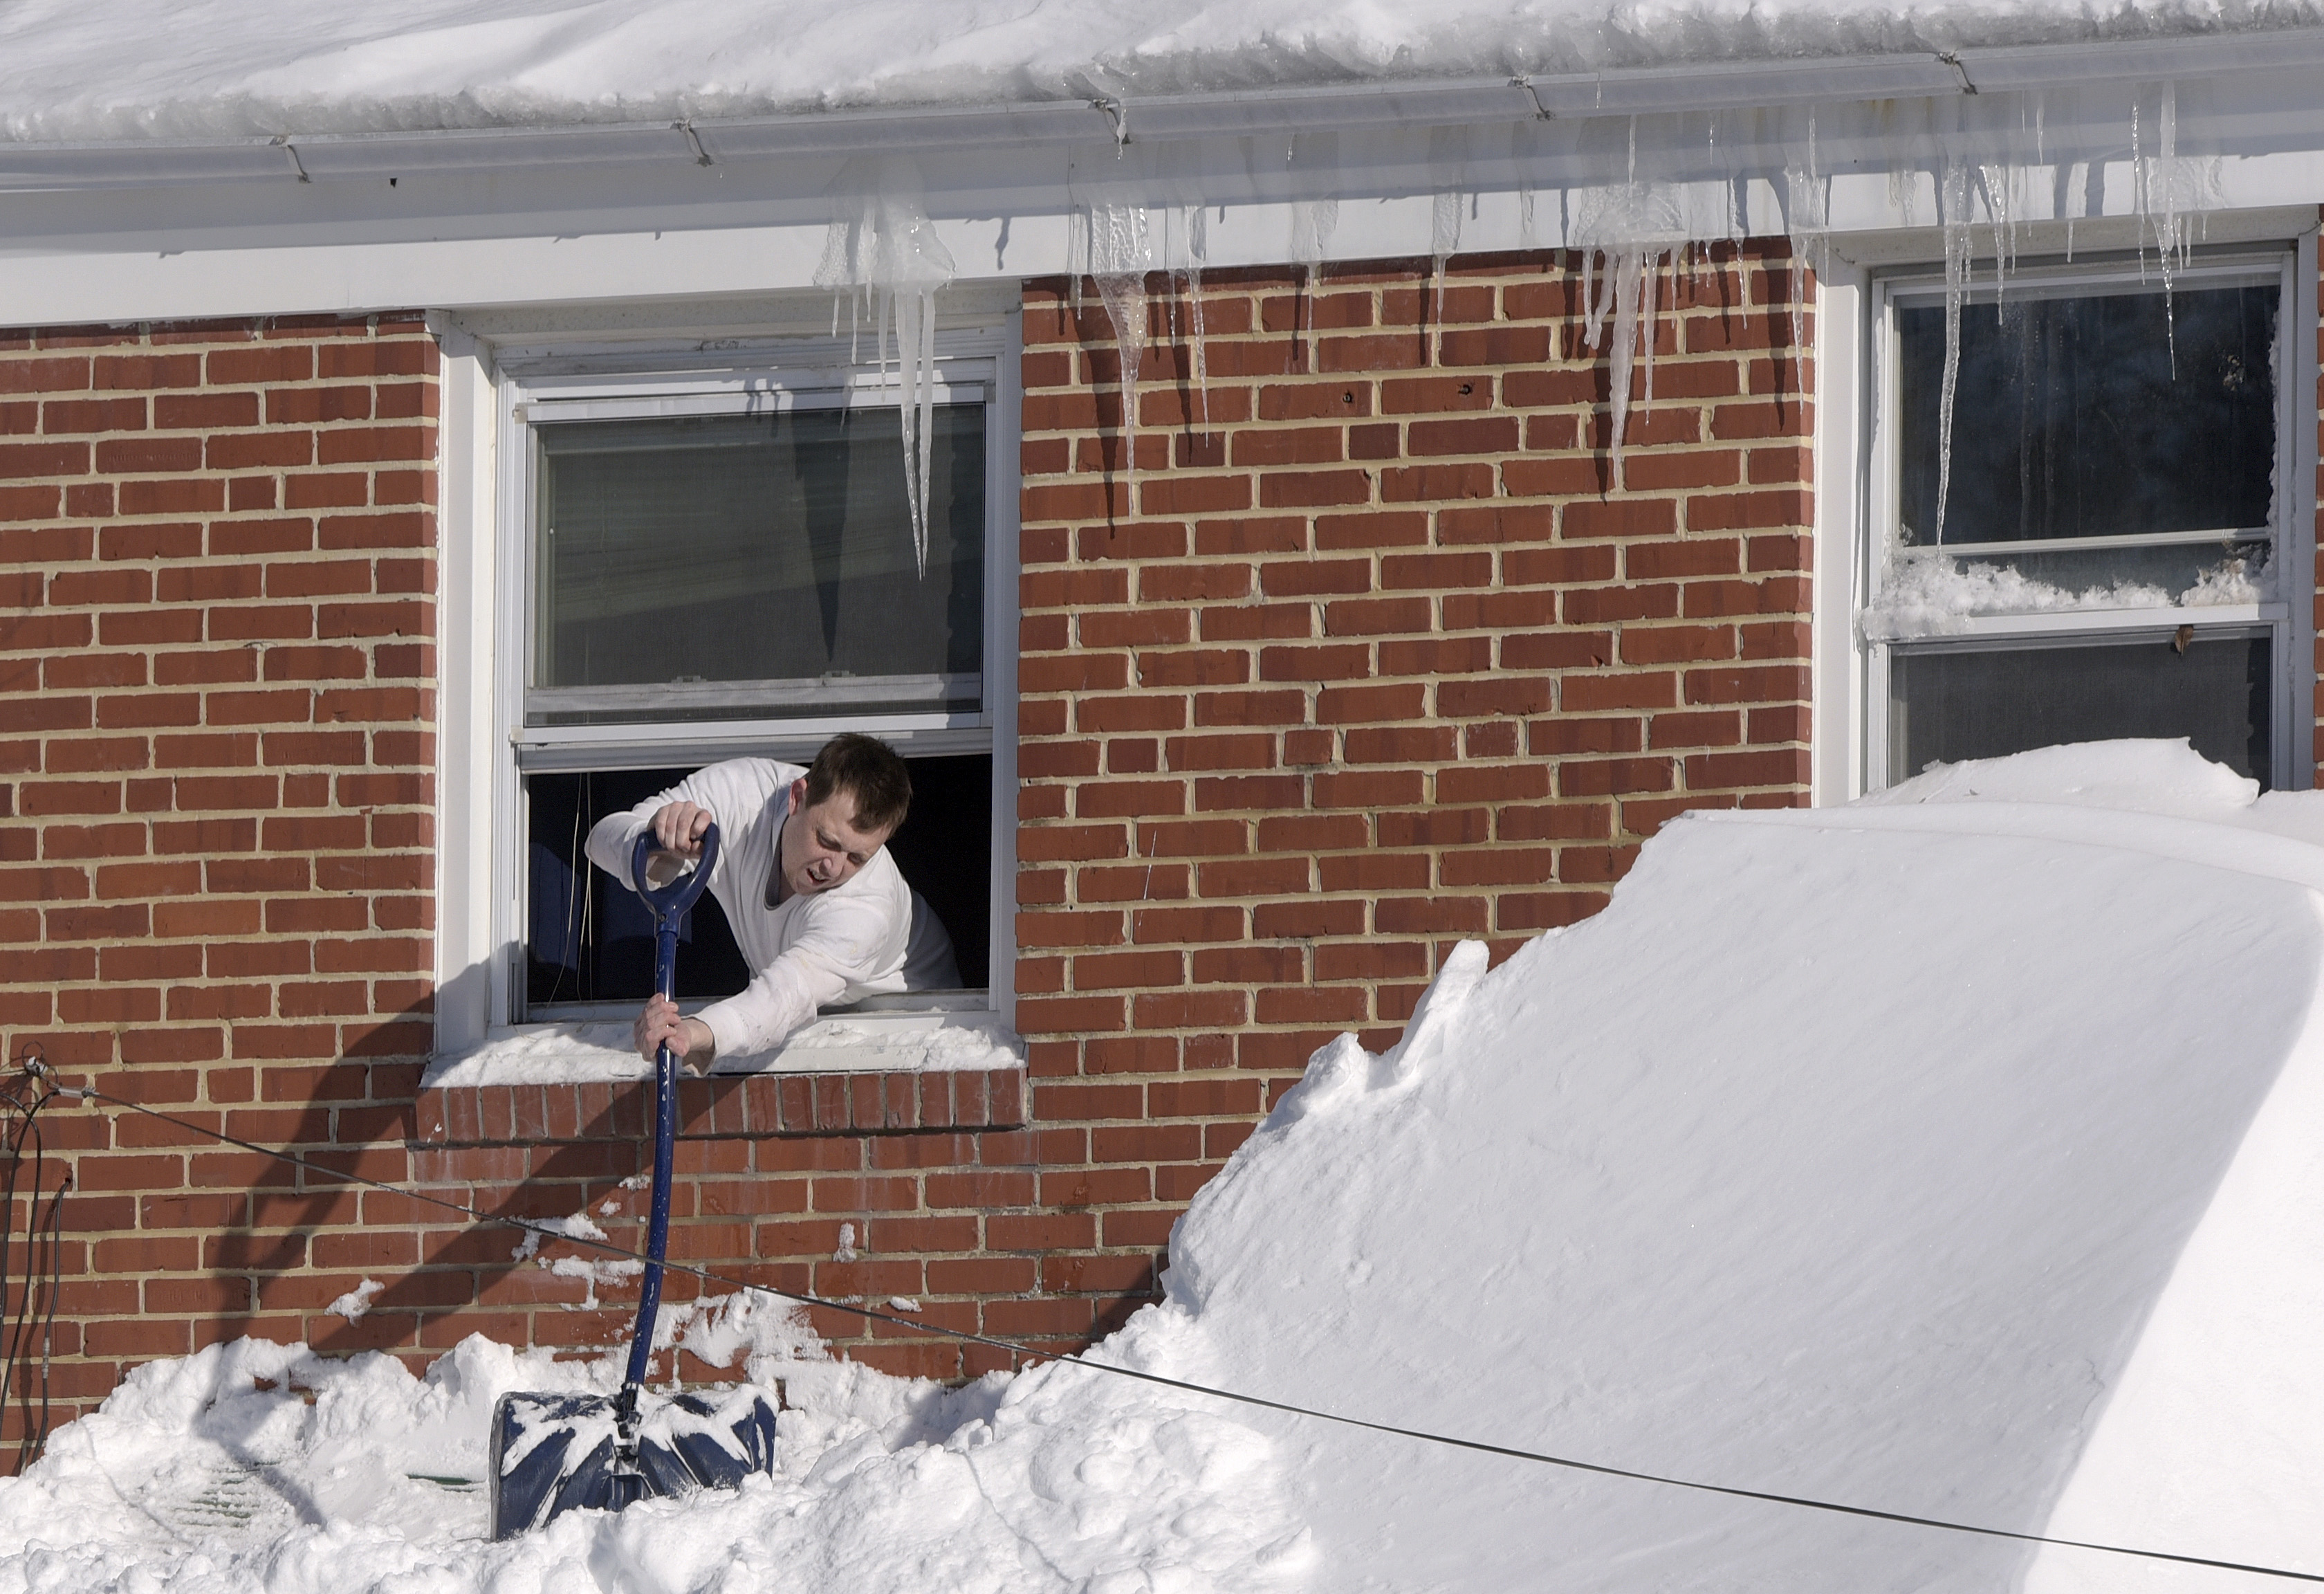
[[1948, 704]]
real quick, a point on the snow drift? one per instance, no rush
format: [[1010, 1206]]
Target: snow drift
[[1950, 1154]]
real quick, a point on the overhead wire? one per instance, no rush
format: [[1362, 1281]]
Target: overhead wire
[[1017, 1348]]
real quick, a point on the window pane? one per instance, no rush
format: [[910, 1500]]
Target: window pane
[[1950, 704], [2097, 416], [734, 567]]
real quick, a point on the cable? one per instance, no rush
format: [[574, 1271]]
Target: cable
[[37, 1440], [1568, 1463], [34, 1068]]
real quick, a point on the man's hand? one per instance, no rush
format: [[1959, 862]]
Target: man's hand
[[689, 1038], [678, 827]]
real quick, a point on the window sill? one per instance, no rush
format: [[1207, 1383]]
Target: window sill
[[860, 1074]]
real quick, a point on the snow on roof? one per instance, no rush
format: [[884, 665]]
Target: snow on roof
[[1952, 1154], [71, 71]]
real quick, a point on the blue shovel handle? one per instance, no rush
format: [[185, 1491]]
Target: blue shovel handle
[[669, 904]]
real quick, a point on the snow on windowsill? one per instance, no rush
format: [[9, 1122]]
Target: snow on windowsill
[[1926, 592], [600, 1053]]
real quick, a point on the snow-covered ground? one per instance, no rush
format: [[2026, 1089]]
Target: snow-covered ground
[[132, 69], [1950, 1155]]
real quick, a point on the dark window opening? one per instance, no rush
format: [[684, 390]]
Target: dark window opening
[[589, 939]]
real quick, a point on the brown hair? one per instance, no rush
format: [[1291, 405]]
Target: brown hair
[[868, 769]]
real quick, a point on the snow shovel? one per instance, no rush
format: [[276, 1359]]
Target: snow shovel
[[554, 1453]]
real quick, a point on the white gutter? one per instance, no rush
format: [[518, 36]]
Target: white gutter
[[1432, 103]]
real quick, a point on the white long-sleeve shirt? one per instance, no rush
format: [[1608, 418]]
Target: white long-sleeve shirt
[[853, 941]]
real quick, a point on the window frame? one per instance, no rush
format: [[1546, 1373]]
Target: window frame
[[499, 391], [2292, 521]]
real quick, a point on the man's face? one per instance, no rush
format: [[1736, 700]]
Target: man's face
[[821, 846]]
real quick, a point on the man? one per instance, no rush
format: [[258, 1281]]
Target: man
[[816, 905]]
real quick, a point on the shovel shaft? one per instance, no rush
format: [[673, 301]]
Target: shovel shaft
[[669, 904], [665, 1138]]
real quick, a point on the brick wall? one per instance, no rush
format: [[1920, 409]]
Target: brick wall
[[215, 804], [1366, 655]]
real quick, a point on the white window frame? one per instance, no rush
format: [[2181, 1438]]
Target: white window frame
[[1859, 468], [494, 392]]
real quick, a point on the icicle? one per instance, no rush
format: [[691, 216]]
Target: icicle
[[2169, 238], [1810, 223], [1120, 255], [1312, 225], [1528, 237], [1952, 208], [1650, 294], [1997, 208], [2139, 192], [1627, 272], [1448, 166], [1196, 230], [883, 245], [1443, 243]]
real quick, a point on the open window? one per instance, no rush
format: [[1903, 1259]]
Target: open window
[[715, 557], [2099, 543]]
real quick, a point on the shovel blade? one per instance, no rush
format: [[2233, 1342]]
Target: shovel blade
[[555, 1453]]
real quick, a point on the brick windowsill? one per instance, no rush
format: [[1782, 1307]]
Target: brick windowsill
[[729, 1107]]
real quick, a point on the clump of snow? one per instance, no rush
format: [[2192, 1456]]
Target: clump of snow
[[356, 1301], [1927, 592], [594, 1273], [575, 1227], [244, 66]]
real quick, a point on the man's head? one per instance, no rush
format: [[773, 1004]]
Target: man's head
[[851, 799]]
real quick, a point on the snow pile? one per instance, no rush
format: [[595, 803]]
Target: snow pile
[[257, 1466], [201, 68], [1856, 1155], [1950, 1154]]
